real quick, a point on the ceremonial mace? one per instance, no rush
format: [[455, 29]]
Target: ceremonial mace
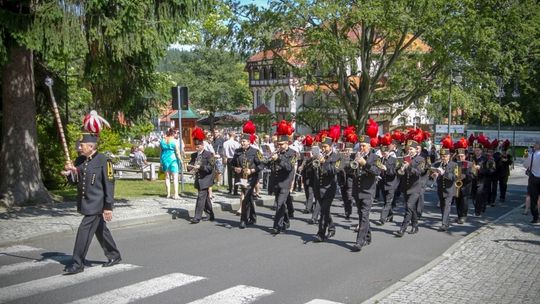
[[49, 83]]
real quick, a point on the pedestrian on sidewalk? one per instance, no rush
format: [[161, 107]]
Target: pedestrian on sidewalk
[[532, 164], [171, 161], [93, 175]]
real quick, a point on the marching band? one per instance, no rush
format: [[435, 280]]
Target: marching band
[[396, 163]]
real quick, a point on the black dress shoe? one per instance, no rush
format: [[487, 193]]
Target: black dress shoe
[[310, 221], [331, 234], [194, 221], [414, 230], [275, 231], [73, 270], [379, 223], [305, 211], [347, 216], [242, 225], [534, 221], [460, 220], [390, 218], [211, 217], [318, 239], [443, 228], [112, 262], [401, 232], [356, 248]]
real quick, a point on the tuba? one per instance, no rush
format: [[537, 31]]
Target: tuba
[[245, 173]]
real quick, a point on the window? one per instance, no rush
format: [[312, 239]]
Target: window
[[255, 73], [282, 101], [402, 121], [417, 120]]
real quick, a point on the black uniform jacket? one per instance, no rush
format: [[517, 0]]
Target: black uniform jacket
[[446, 183], [283, 168], [410, 180], [466, 175], [389, 176], [251, 158], [95, 184], [204, 176], [365, 181], [307, 172], [503, 164]]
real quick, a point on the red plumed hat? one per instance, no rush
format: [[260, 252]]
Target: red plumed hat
[[252, 138], [308, 141], [506, 145], [461, 144], [349, 130], [447, 142], [386, 139], [198, 135], [484, 141], [495, 144], [284, 130], [248, 130], [334, 132], [471, 139], [319, 137], [372, 128], [398, 136], [374, 141]]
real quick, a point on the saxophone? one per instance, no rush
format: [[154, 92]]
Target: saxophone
[[459, 181], [490, 164], [245, 172]]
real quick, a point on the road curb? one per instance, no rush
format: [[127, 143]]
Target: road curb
[[183, 212], [445, 255]]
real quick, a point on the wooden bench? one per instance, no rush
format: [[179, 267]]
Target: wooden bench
[[126, 165]]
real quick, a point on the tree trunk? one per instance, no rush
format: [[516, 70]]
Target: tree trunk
[[20, 178]]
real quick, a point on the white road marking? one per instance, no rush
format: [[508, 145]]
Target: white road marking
[[320, 301], [30, 288], [141, 290], [240, 294], [17, 248]]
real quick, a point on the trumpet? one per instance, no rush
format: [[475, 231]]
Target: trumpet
[[316, 163]]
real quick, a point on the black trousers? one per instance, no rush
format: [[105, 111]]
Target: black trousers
[[492, 190], [325, 219], [446, 204], [503, 185], [231, 180], [346, 195], [281, 218], [93, 225], [480, 200], [364, 232], [534, 189], [248, 206], [203, 204], [462, 205], [411, 200], [387, 209]]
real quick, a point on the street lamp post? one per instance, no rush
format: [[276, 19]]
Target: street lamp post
[[457, 78], [500, 94]]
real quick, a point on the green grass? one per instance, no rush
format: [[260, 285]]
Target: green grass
[[128, 189]]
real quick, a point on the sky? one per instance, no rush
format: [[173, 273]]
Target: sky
[[258, 2]]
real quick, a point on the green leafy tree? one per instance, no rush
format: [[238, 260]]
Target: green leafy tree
[[216, 79], [378, 53], [120, 42]]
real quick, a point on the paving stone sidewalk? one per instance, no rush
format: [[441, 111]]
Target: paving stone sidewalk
[[500, 263], [31, 222]]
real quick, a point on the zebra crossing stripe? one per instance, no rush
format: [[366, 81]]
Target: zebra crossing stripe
[[319, 301], [17, 248], [240, 294], [141, 290], [15, 268], [30, 288]]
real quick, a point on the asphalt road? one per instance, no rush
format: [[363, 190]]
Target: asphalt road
[[225, 262]]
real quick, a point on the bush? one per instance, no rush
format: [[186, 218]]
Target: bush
[[151, 152]]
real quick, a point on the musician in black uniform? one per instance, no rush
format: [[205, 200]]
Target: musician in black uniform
[[424, 177], [345, 178], [410, 170], [390, 181], [484, 168], [464, 192], [283, 164], [247, 162], [326, 168], [503, 169], [445, 172], [366, 167], [306, 170], [202, 164], [93, 174]]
